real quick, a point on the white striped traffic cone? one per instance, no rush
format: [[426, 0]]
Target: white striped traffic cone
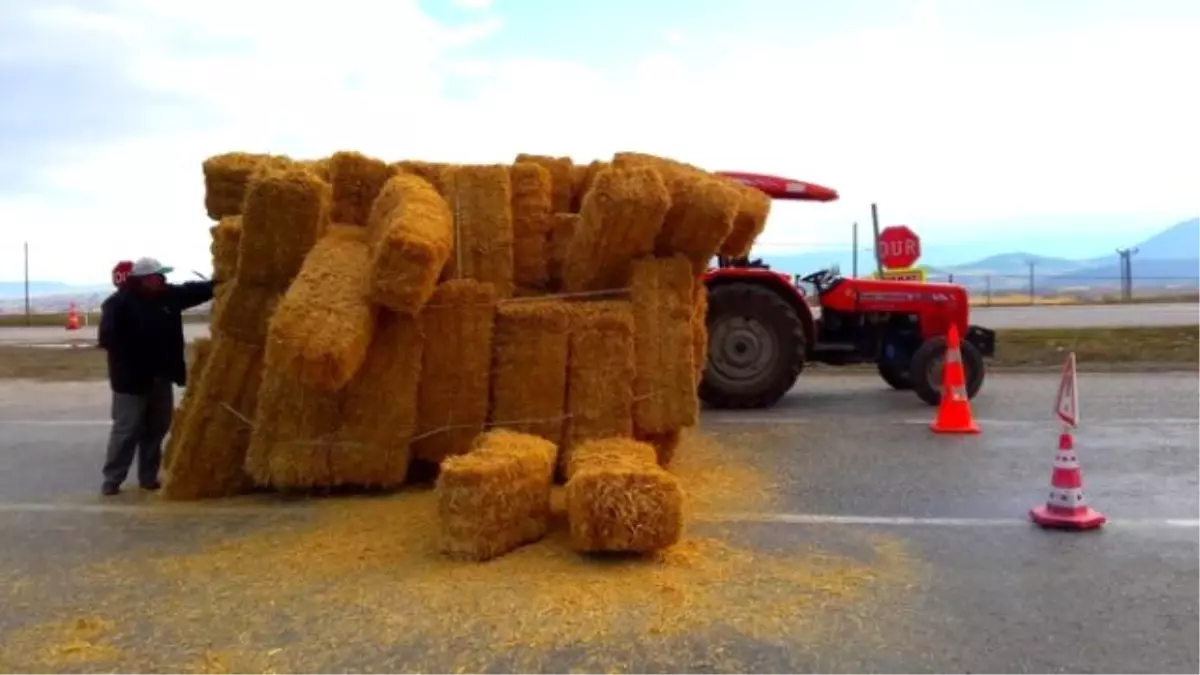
[[1066, 508]]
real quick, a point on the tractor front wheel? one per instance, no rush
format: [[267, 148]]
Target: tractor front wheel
[[895, 375], [925, 371], [756, 347]]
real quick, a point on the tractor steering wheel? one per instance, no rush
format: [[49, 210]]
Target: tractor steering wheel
[[819, 279]]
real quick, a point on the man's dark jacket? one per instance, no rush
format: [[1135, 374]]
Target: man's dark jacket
[[144, 335]]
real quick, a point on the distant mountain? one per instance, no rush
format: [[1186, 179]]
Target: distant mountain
[[16, 289], [1178, 242]]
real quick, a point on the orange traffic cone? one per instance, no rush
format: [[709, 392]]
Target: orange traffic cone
[[1066, 507], [72, 318], [954, 412]]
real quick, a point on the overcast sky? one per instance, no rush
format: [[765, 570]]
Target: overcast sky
[[993, 124]]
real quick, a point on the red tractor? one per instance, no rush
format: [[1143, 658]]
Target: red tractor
[[762, 330]]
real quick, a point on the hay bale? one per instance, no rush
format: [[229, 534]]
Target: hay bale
[[318, 167], [295, 433], [532, 221], [700, 329], [664, 444], [600, 372], [226, 177], [431, 171], [559, 243], [496, 498], [197, 362], [480, 196], [207, 446], [619, 221], [356, 180], [562, 183], [665, 384], [412, 236], [380, 408], [324, 324], [751, 218], [620, 500], [700, 220], [286, 212], [453, 396], [243, 311], [226, 236], [529, 376], [582, 178]]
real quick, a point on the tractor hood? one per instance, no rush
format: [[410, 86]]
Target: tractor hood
[[777, 187]]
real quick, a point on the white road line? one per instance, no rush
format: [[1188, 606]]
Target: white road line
[[831, 519]]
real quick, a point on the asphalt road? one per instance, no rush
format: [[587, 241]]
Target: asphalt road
[[856, 473], [1045, 316]]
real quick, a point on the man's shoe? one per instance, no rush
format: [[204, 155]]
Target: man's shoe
[[151, 486], [110, 489]]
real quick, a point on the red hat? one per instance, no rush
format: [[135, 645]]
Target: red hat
[[121, 272]]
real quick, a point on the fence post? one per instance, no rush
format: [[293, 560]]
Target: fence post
[[1032, 292], [987, 280]]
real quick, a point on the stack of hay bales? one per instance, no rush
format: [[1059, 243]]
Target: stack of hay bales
[[491, 319]]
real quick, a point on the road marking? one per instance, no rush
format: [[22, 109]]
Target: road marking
[[831, 519]]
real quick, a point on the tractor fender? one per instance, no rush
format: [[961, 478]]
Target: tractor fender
[[779, 283]]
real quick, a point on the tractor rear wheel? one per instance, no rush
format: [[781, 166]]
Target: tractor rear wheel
[[926, 369], [756, 347]]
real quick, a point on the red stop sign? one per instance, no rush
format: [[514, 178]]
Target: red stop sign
[[898, 246], [121, 272]]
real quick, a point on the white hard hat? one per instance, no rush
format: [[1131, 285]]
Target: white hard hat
[[144, 267]]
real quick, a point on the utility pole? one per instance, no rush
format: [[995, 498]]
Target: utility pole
[[854, 245], [875, 240], [28, 313], [1126, 255], [1032, 292]]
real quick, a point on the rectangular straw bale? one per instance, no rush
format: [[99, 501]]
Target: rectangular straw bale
[[207, 445], [318, 167], [201, 349], [286, 212], [226, 236], [702, 215], [356, 180], [619, 221], [583, 177], [620, 500], [412, 236], [431, 171], [559, 243], [380, 407], [324, 323], [700, 329], [600, 372], [664, 444], [753, 210], [243, 311], [532, 199], [453, 397], [531, 266], [562, 183], [226, 177], [480, 196], [295, 433], [529, 377], [665, 384], [497, 497]]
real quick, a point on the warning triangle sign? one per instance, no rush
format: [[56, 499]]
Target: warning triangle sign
[[1067, 407]]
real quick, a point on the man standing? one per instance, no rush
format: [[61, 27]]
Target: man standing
[[141, 328]]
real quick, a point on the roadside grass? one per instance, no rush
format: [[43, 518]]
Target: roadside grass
[[1023, 300], [1104, 349]]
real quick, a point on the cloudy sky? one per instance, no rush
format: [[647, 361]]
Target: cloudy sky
[[1063, 126]]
